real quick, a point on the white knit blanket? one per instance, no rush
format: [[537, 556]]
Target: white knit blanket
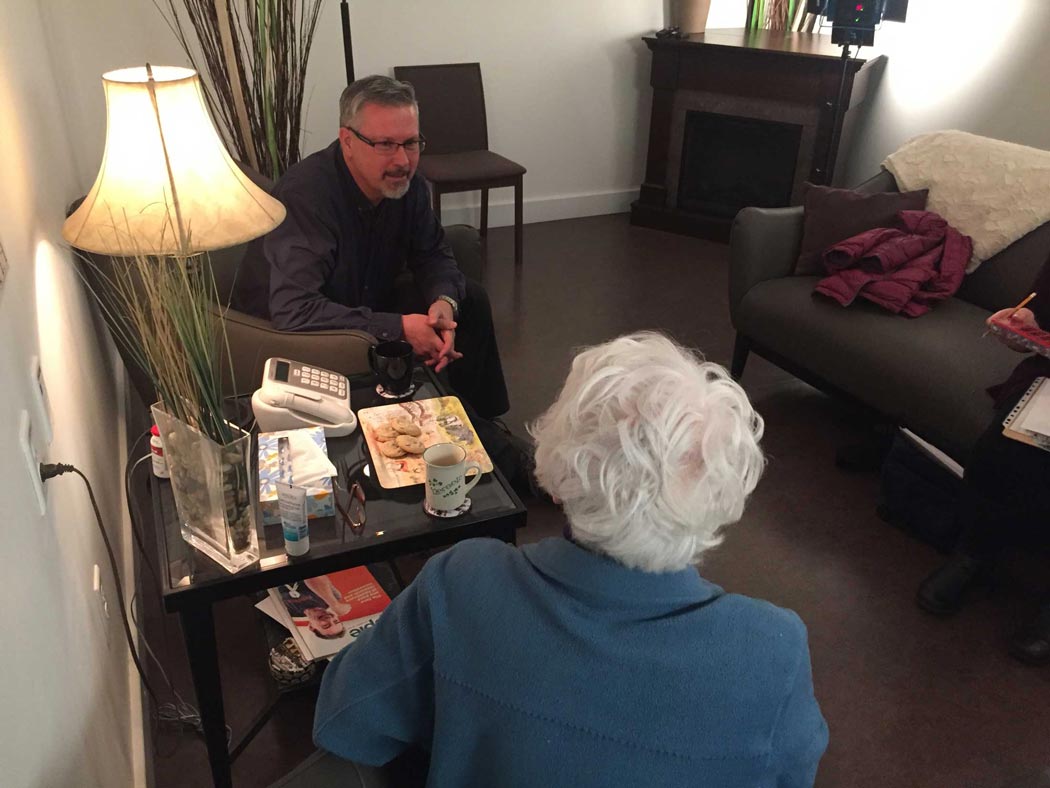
[[993, 191]]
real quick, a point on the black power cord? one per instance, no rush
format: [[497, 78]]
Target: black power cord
[[51, 470], [136, 517], [180, 711], [133, 508]]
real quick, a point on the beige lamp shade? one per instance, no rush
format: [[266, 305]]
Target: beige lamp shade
[[166, 184]]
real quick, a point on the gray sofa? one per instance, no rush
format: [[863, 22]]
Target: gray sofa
[[928, 374]]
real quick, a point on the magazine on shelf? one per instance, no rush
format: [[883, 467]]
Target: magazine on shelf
[[328, 612], [274, 608]]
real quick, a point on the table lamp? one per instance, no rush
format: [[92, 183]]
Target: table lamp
[[166, 191], [166, 185]]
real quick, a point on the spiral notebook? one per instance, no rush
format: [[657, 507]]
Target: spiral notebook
[[1029, 421]]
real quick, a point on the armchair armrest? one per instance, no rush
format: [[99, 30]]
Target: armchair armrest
[[252, 341], [883, 181], [764, 244]]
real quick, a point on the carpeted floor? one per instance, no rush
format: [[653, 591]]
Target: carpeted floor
[[911, 701]]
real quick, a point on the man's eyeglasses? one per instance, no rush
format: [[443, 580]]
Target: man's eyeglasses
[[389, 147], [350, 504]]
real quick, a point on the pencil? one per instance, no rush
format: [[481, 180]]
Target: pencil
[[1021, 306], [1015, 310]]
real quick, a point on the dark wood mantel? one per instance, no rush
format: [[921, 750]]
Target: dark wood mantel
[[788, 80]]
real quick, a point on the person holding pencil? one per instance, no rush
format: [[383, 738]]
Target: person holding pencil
[[1006, 498]]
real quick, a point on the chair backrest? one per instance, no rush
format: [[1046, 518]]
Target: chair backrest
[[226, 264], [226, 268], [451, 106]]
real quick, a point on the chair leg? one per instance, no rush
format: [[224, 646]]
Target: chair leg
[[741, 350], [518, 216], [484, 212]]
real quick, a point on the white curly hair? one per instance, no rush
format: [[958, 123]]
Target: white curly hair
[[650, 449]]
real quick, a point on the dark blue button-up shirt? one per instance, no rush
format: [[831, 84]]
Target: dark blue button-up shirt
[[332, 263]]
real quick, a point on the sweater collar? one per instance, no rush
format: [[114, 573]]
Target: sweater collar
[[589, 572]]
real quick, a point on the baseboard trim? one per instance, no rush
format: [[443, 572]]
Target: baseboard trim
[[537, 209]]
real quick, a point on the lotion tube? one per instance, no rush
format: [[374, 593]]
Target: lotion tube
[[291, 501]]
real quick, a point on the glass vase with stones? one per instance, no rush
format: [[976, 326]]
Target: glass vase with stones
[[213, 491]]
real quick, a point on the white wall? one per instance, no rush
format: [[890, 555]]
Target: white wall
[[566, 87], [566, 81], [69, 713], [565, 84], [964, 64], [576, 71]]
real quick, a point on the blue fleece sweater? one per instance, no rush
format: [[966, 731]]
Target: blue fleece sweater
[[554, 666]]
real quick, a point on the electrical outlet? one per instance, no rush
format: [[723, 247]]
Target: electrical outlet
[[25, 439], [43, 402], [96, 585], [101, 603]]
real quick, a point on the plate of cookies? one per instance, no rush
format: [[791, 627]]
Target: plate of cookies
[[398, 434]]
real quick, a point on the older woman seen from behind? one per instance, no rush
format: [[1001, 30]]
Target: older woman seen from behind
[[602, 658], [650, 451]]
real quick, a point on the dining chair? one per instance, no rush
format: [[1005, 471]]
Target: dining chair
[[457, 157]]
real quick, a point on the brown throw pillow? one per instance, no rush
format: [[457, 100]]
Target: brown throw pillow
[[833, 215]]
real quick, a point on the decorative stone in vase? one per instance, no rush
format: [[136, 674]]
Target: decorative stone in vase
[[690, 16], [214, 494]]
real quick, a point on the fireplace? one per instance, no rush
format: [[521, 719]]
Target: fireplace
[[730, 162], [742, 118]]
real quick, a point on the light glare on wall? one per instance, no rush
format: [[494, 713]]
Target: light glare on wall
[[946, 46]]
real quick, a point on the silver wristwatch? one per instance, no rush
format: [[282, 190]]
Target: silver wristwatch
[[451, 302]]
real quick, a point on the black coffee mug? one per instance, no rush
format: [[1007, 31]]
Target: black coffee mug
[[392, 364]]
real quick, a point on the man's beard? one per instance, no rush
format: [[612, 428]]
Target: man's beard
[[393, 191]]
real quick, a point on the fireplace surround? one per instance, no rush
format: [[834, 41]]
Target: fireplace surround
[[744, 118]]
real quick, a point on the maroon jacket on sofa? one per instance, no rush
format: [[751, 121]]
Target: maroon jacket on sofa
[[903, 270]]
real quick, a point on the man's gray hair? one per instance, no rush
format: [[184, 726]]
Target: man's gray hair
[[375, 89], [650, 449]]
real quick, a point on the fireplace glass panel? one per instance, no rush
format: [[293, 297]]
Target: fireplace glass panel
[[730, 162]]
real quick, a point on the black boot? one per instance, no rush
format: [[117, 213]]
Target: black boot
[[942, 592], [1031, 644]]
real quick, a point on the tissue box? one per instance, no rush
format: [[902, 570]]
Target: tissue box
[[319, 501]]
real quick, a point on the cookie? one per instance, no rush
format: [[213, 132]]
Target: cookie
[[384, 432], [406, 426], [391, 450], [410, 443]]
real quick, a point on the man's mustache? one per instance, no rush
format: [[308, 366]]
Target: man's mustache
[[401, 172]]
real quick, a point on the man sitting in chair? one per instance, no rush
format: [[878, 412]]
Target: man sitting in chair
[[358, 215]]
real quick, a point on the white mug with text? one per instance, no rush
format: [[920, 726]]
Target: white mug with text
[[447, 468]]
